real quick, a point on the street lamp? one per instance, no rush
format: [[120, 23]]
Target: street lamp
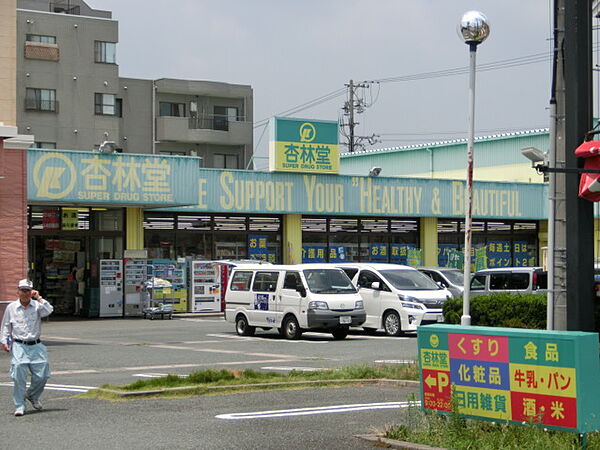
[[473, 29]]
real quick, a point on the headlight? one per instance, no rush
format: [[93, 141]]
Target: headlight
[[359, 304], [408, 298], [412, 305], [318, 305]]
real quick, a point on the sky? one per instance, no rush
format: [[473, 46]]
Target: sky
[[295, 51]]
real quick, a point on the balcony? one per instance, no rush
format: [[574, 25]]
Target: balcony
[[206, 129], [38, 50]]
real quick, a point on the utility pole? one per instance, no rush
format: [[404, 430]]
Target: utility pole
[[573, 251], [356, 104], [351, 124]]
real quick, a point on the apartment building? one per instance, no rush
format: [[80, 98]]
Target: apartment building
[[70, 95]]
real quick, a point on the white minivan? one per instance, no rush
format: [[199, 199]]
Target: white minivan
[[397, 298], [293, 298]]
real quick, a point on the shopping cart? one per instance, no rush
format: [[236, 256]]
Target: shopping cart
[[153, 307]]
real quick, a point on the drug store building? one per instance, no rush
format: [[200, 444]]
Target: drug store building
[[84, 207]]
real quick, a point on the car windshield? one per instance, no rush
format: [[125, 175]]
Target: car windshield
[[328, 281], [455, 277], [411, 280]]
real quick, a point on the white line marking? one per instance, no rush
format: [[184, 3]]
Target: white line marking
[[394, 361], [315, 410], [286, 341], [289, 369], [60, 387]]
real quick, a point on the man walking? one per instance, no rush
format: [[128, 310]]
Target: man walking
[[23, 325]]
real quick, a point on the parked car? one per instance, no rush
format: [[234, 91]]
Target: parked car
[[397, 298], [293, 298], [451, 279], [514, 280]]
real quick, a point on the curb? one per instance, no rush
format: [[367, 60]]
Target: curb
[[125, 394], [392, 443]]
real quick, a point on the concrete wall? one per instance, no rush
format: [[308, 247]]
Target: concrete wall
[[13, 221], [44, 5], [8, 62], [75, 77], [136, 123]]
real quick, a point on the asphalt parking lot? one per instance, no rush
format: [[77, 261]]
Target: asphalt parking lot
[[90, 353]]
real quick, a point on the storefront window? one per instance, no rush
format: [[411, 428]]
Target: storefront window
[[231, 246], [374, 244], [404, 241], [107, 219], [314, 239], [506, 243], [343, 240]]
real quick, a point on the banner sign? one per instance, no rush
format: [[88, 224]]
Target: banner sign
[[97, 178], [313, 253], [88, 178], [302, 145], [544, 378], [238, 191], [258, 249]]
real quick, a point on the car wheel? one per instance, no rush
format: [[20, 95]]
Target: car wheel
[[242, 328], [392, 325], [340, 333], [291, 329]]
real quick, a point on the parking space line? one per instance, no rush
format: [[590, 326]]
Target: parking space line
[[59, 387], [315, 410]]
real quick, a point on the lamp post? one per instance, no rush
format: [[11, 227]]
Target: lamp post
[[473, 29]]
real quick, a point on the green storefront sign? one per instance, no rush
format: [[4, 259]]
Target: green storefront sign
[[96, 178], [304, 145], [547, 378]]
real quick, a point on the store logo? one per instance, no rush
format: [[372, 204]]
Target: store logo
[[54, 176], [434, 340], [307, 132]]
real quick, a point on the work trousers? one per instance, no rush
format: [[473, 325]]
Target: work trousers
[[25, 359]]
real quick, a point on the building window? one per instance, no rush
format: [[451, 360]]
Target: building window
[[47, 145], [105, 52], [119, 107], [105, 104], [41, 39], [226, 161], [40, 99], [171, 109], [223, 115]]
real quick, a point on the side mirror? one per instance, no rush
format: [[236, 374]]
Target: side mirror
[[301, 290], [376, 285]]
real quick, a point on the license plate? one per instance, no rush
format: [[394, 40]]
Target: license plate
[[345, 319]]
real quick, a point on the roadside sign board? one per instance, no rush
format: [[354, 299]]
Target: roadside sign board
[[547, 378]]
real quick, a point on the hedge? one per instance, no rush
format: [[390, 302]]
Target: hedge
[[506, 310], [501, 310]]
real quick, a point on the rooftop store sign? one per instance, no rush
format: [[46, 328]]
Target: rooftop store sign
[[299, 145], [548, 378], [96, 178], [261, 192]]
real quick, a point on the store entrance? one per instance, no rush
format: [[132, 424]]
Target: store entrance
[[65, 269], [58, 266]]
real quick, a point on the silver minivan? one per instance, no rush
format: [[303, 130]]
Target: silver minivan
[[512, 280], [451, 279]]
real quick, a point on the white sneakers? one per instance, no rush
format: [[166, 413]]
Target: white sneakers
[[19, 412]]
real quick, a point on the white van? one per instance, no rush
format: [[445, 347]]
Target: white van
[[397, 298], [293, 298]]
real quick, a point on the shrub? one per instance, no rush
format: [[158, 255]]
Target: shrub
[[501, 310]]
